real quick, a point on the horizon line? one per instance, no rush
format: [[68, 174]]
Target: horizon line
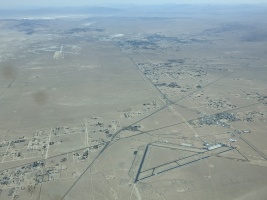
[[114, 5]]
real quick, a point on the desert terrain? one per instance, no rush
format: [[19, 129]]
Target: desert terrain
[[134, 105]]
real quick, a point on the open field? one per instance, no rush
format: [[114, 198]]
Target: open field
[[133, 106]]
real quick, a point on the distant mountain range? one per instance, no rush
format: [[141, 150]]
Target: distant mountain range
[[60, 11], [131, 10]]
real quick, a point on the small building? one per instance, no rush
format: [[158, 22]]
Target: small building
[[206, 144], [215, 146], [232, 140]]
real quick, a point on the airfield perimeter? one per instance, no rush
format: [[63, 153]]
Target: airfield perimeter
[[134, 107]]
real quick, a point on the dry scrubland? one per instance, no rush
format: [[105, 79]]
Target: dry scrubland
[[133, 108]]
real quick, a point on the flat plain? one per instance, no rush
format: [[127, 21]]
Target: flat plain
[[133, 106]]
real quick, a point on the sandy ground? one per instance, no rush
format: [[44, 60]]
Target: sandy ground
[[127, 108]]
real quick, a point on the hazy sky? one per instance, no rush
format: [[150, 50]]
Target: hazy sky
[[37, 3]]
